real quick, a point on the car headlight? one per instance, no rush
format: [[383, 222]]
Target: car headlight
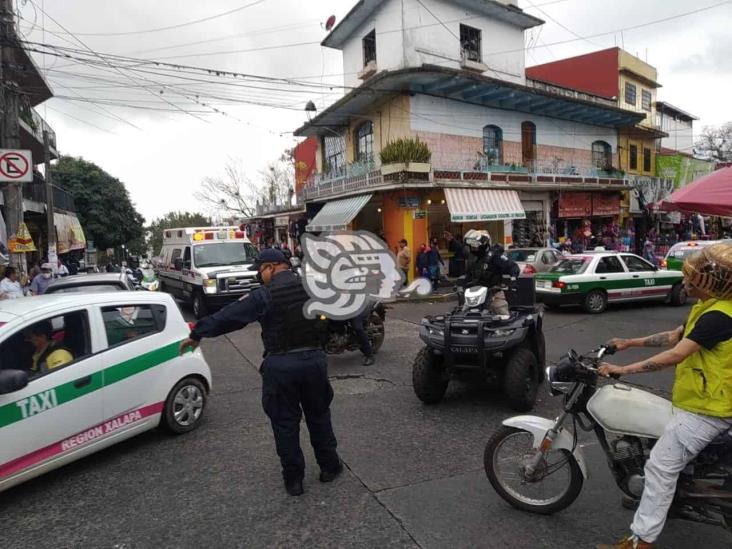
[[209, 285], [501, 333]]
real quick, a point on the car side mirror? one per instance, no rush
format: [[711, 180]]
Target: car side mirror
[[12, 381], [178, 264]]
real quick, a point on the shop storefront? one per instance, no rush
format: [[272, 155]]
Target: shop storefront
[[589, 220]]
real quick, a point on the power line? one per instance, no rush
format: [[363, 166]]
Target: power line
[[169, 27], [561, 24], [81, 120]]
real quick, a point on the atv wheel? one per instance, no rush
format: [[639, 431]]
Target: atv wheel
[[428, 377], [521, 380]]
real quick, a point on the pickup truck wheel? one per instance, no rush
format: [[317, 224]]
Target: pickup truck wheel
[[200, 307], [428, 377], [521, 380], [184, 406], [678, 295]]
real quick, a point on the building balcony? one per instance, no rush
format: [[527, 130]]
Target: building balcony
[[541, 177], [34, 196], [32, 126]]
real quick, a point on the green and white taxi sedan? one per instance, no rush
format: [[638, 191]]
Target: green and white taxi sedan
[[594, 279], [81, 372], [677, 254]]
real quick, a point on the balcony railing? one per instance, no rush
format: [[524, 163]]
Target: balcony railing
[[548, 177], [37, 125], [36, 191]]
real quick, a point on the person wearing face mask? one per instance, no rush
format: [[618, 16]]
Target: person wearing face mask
[[42, 280], [294, 370]]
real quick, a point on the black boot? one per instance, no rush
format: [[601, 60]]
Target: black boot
[[330, 476], [294, 487]]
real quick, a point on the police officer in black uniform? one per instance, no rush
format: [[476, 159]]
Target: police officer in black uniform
[[489, 271], [294, 370]]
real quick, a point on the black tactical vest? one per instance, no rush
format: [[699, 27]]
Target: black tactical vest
[[284, 326]]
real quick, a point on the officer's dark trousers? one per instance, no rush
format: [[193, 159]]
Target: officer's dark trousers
[[292, 384]]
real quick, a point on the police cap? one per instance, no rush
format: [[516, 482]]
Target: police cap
[[269, 255]]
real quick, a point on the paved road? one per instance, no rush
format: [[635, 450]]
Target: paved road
[[414, 478]]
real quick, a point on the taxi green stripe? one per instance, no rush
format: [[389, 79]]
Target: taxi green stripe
[[11, 413]]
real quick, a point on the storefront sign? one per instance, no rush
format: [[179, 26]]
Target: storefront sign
[[605, 205], [575, 205], [409, 202], [419, 214], [282, 221]]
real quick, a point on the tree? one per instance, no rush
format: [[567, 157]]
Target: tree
[[715, 143], [172, 220], [232, 194], [103, 205], [236, 195]]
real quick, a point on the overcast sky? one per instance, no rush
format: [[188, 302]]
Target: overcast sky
[[164, 157]]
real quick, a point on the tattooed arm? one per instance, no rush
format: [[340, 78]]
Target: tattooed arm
[[662, 339], [661, 361]]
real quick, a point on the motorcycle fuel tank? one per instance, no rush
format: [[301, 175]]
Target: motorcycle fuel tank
[[623, 409]]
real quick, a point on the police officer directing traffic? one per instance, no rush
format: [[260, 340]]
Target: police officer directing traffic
[[294, 370]]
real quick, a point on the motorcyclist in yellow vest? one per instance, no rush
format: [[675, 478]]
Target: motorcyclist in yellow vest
[[702, 394]]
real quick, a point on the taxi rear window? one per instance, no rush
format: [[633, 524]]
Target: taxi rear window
[[573, 265], [683, 253]]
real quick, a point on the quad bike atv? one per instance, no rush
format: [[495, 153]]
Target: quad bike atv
[[507, 350]]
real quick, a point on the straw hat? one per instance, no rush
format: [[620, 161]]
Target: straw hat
[[710, 270]]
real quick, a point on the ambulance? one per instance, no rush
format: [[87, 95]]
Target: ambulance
[[207, 267]]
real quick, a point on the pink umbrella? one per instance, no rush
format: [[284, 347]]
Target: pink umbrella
[[709, 195]]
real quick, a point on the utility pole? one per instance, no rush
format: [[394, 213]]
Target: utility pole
[[51, 226], [9, 128]]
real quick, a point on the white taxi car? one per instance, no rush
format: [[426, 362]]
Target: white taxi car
[[79, 373]]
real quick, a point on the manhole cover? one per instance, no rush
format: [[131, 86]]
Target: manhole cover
[[352, 385]]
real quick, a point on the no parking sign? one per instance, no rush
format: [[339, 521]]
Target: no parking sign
[[15, 166]]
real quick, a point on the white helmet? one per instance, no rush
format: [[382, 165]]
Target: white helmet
[[476, 238]]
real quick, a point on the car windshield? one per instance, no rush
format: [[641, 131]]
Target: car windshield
[[521, 255], [85, 289], [224, 254], [572, 265]]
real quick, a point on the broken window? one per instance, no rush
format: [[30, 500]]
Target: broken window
[[470, 43]]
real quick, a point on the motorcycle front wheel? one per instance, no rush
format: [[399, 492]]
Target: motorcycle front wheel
[[554, 485]]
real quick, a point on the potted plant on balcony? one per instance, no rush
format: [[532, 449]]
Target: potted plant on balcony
[[611, 172], [404, 156]]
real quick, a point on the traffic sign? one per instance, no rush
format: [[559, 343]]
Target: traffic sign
[[16, 166]]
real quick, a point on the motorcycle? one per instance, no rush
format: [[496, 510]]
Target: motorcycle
[[149, 280], [536, 464], [341, 337]]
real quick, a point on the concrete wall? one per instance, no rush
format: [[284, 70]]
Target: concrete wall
[[682, 169], [424, 40], [454, 131]]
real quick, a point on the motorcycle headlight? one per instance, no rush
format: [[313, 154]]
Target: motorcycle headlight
[[154, 286]]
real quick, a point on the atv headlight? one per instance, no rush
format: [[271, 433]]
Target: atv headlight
[[435, 331], [502, 333]]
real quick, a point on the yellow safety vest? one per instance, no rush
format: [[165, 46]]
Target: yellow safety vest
[[703, 382]]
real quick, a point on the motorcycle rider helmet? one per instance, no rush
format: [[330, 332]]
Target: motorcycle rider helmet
[[476, 238], [710, 270]]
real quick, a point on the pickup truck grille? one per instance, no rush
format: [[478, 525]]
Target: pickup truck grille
[[237, 284]]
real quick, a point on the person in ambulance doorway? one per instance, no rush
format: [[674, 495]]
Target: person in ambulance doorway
[[47, 354], [294, 370], [701, 350]]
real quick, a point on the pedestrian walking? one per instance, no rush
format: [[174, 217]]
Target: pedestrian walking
[[434, 262], [294, 370], [404, 259], [40, 282], [422, 262], [456, 265]]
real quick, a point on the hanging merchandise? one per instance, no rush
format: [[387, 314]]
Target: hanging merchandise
[[21, 242]]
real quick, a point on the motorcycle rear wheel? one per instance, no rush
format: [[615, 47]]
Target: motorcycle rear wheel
[[504, 473], [375, 330]]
